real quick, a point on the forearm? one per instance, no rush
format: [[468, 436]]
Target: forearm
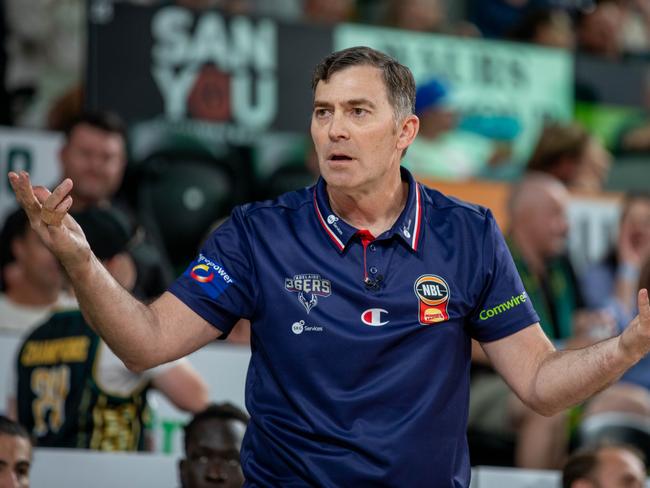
[[127, 325], [566, 378]]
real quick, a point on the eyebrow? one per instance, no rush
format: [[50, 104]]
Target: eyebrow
[[353, 102]]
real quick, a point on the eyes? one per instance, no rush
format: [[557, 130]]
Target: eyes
[[226, 462], [354, 112]]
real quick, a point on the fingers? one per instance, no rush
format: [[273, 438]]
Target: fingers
[[644, 307], [24, 194], [38, 202], [56, 204]]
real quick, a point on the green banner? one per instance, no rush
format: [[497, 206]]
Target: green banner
[[500, 89]]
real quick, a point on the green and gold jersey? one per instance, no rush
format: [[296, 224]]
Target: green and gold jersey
[[59, 397]]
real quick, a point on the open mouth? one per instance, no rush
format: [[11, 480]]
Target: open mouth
[[339, 157]]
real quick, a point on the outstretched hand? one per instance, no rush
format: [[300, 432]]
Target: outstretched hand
[[635, 339], [48, 216]]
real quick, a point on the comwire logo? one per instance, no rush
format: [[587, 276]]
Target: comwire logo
[[515, 301]]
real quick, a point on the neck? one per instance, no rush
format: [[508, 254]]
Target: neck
[[375, 210], [31, 296]]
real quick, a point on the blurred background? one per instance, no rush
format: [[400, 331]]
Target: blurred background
[[214, 99]]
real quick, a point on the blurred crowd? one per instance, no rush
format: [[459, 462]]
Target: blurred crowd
[[44, 66]]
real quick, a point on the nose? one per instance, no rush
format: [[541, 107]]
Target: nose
[[14, 482], [338, 129], [216, 472]]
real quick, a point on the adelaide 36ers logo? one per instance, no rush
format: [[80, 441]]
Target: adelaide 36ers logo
[[433, 296], [309, 287]]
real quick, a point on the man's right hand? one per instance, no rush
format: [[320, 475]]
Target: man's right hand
[[48, 216]]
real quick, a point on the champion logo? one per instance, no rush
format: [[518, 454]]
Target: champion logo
[[373, 317]]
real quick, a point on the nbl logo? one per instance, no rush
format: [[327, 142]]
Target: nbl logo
[[308, 287], [433, 296]]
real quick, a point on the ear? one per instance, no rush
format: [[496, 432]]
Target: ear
[[408, 129]]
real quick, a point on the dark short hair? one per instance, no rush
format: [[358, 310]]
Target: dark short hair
[[221, 411], [15, 226], [583, 463], [13, 429], [398, 79], [558, 141], [103, 120]]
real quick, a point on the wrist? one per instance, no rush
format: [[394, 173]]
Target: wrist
[[628, 272]]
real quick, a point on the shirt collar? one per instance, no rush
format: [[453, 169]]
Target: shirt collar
[[408, 226]]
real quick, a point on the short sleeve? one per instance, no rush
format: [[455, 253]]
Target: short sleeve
[[503, 307], [219, 284]]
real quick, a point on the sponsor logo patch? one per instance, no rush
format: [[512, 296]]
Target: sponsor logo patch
[[309, 287], [373, 317], [514, 301], [300, 327], [210, 275], [433, 297]]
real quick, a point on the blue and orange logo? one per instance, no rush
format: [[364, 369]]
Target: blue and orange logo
[[202, 273]]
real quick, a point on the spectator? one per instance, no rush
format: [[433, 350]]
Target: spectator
[[537, 240], [45, 45], [605, 466], [72, 391], [546, 27], [599, 31], [572, 155], [636, 26], [212, 443], [417, 15], [328, 11], [613, 282], [442, 148], [94, 157], [15, 454], [31, 279]]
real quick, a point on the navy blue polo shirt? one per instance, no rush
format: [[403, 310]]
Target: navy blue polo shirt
[[359, 373]]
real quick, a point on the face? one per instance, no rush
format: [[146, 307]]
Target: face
[[546, 221], [356, 137], [619, 468], [637, 218], [593, 167], [420, 15], [213, 455], [15, 459], [95, 160], [600, 31], [36, 263], [558, 32]]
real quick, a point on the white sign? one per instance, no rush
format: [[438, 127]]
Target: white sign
[[34, 151]]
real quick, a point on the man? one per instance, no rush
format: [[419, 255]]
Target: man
[[363, 292], [537, 240], [606, 466], [72, 391], [31, 280], [212, 442], [15, 454], [94, 157], [572, 155]]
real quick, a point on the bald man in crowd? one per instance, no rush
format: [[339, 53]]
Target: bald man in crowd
[[537, 239]]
